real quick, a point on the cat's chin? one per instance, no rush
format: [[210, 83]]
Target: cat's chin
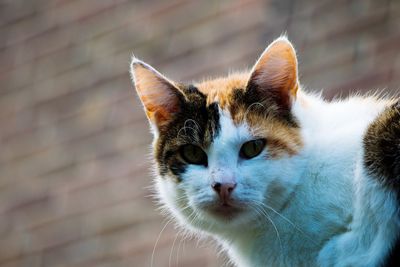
[[227, 213]]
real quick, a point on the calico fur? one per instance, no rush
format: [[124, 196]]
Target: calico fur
[[324, 191]]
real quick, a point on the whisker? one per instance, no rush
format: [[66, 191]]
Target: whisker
[[172, 250], [178, 250], [194, 127], [264, 212], [184, 129], [249, 108], [288, 221], [155, 245]]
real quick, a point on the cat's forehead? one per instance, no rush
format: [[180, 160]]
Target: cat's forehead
[[220, 90]]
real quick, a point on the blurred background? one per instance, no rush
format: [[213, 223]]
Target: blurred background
[[74, 141]]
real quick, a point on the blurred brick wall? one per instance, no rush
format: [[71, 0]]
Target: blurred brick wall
[[73, 138]]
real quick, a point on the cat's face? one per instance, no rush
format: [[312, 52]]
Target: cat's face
[[226, 149]]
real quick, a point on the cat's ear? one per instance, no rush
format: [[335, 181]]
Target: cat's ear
[[160, 97], [273, 79]]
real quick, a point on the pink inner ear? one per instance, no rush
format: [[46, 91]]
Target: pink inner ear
[[158, 95], [277, 67], [162, 113], [275, 73]]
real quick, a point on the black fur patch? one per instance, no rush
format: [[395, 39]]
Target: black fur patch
[[393, 257], [270, 105], [382, 147], [195, 123]]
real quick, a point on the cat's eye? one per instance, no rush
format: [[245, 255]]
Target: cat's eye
[[252, 148], [193, 154]]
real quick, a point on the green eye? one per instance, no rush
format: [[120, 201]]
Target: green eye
[[252, 148], [193, 154]]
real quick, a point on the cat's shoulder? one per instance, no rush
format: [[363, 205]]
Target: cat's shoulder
[[382, 159]]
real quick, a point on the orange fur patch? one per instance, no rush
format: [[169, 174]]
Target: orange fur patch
[[220, 89], [282, 139]]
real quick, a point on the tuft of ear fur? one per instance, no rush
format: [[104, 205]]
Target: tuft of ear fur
[[160, 97], [273, 79]]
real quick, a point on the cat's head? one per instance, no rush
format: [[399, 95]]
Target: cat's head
[[226, 149]]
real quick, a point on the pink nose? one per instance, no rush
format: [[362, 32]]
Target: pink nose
[[224, 190]]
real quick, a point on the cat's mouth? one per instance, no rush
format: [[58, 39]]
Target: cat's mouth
[[224, 210]]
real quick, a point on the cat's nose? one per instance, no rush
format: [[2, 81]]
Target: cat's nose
[[224, 190]]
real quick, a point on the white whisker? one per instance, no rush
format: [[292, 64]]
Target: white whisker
[[172, 250], [155, 245], [264, 212], [287, 220]]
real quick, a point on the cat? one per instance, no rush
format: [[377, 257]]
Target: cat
[[276, 175]]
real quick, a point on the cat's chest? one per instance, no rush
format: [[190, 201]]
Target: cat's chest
[[274, 248], [319, 209]]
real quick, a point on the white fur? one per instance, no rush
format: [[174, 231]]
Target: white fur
[[373, 230], [314, 204]]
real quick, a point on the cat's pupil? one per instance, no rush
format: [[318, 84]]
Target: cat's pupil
[[252, 148], [193, 154]]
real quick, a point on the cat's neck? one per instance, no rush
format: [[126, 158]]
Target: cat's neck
[[332, 134]]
